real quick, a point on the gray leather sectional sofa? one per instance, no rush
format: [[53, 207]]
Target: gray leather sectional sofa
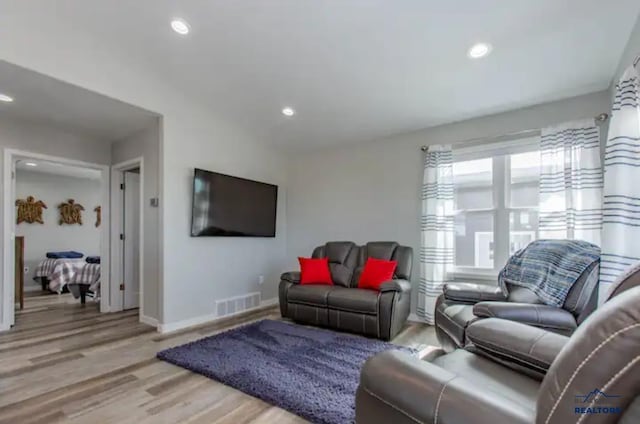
[[514, 373], [343, 306]]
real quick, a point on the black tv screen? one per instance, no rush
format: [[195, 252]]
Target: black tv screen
[[232, 207]]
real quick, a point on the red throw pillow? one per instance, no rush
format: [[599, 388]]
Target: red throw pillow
[[376, 272], [315, 271]]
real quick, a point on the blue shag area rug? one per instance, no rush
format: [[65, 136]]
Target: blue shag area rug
[[310, 372]]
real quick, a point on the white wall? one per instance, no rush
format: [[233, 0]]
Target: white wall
[[631, 52], [50, 236], [194, 271], [146, 144], [45, 139], [371, 191]]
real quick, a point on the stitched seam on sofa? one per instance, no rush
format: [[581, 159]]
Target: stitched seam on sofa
[[496, 349], [394, 303], [485, 309], [535, 342], [393, 308], [584, 361], [582, 303], [574, 309], [540, 325], [307, 302], [444, 386], [453, 337], [378, 330], [402, 411], [543, 325], [608, 384], [340, 308]]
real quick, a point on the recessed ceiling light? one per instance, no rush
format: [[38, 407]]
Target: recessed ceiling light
[[287, 111], [31, 164], [479, 50], [5, 98], [180, 26]]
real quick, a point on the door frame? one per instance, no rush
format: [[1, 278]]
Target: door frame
[[11, 156], [117, 176]]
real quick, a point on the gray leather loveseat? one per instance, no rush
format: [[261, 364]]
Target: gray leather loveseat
[[344, 306]]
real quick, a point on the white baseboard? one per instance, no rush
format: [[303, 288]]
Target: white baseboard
[[268, 302], [149, 321], [209, 318]]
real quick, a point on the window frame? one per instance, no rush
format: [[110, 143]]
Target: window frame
[[500, 153]]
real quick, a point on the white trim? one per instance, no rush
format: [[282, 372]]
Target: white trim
[[490, 149], [149, 321], [8, 264], [209, 318], [117, 172]]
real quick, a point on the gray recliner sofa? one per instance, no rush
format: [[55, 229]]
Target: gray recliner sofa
[[592, 376], [343, 306], [460, 304]]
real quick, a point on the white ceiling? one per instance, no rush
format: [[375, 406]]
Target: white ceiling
[[356, 70], [39, 98], [52, 168]]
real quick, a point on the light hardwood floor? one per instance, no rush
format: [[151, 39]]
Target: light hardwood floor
[[63, 362]]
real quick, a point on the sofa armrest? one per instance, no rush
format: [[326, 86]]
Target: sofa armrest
[[516, 345], [291, 276], [398, 388], [395, 285], [472, 293], [548, 317]]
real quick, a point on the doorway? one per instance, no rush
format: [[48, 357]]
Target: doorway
[[15, 268]]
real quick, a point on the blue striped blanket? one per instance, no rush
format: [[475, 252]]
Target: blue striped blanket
[[549, 268]]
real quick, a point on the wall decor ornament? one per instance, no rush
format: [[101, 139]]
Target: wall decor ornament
[[70, 212], [98, 211], [30, 211]]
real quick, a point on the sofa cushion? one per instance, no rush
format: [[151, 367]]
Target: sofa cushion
[[315, 271], [309, 294], [354, 300], [388, 251], [492, 377], [343, 258], [522, 295]]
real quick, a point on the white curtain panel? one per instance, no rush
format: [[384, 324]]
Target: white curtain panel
[[437, 249], [571, 182], [621, 229]]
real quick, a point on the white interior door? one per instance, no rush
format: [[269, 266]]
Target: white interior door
[[131, 251]]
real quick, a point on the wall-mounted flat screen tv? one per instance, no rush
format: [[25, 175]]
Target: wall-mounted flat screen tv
[[227, 206]]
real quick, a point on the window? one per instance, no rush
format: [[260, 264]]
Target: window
[[496, 204]]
